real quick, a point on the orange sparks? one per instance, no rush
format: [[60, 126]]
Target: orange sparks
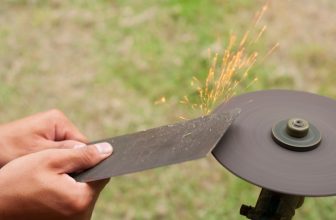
[[228, 70], [160, 101]]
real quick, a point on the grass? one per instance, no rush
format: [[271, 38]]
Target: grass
[[104, 63]]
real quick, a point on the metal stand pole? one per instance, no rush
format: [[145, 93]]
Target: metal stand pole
[[273, 206]]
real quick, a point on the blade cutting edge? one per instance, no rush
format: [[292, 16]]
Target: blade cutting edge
[[166, 145]]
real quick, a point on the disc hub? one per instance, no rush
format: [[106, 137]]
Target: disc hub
[[296, 134]]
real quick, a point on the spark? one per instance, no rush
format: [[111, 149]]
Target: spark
[[227, 71], [161, 100]]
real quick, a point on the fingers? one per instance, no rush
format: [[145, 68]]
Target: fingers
[[73, 160], [89, 194], [98, 186], [67, 144], [63, 127], [95, 189]]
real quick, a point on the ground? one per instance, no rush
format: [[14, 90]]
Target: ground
[[104, 63]]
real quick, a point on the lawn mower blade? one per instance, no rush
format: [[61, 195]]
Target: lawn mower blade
[[166, 145]]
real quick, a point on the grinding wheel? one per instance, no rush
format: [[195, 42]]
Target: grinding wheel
[[250, 151]]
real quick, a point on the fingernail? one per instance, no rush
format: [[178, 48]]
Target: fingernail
[[79, 146], [104, 148]]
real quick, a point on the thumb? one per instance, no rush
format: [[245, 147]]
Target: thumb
[[81, 158]]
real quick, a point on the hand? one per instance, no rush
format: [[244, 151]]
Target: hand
[[38, 132], [37, 187]]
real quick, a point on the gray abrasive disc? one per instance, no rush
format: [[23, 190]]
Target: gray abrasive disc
[[249, 151]]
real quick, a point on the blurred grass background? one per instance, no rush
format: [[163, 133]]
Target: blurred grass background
[[104, 63]]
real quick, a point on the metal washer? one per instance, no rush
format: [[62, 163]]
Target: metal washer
[[282, 135]]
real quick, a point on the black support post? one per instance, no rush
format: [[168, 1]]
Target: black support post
[[273, 206]]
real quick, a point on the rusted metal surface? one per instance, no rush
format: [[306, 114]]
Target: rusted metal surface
[[161, 146], [249, 151]]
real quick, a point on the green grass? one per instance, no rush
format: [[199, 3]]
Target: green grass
[[104, 63]]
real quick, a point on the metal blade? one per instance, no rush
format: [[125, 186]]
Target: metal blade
[[169, 144]]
